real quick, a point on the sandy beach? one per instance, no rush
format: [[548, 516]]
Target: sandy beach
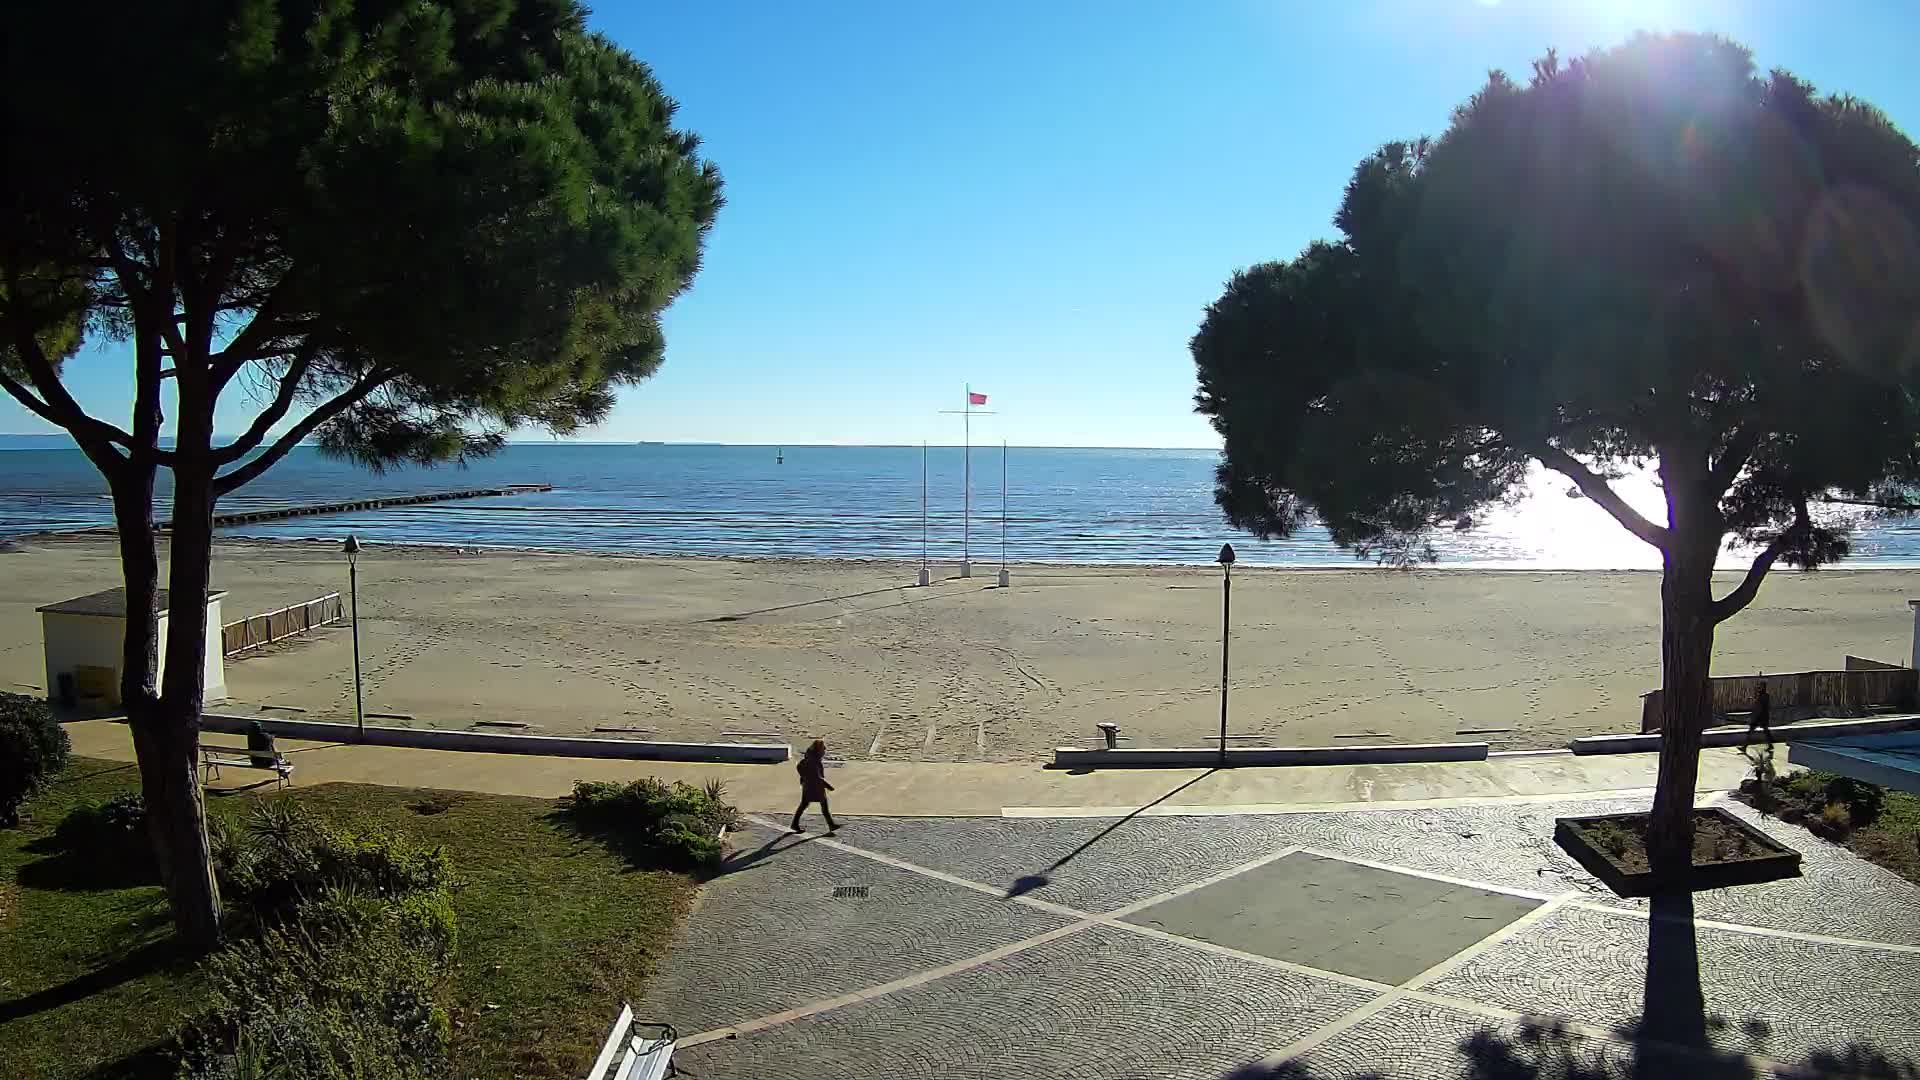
[[686, 648]]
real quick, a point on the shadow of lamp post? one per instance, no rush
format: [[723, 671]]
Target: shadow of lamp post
[[1226, 610], [352, 548]]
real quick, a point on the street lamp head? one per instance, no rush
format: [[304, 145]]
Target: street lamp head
[[352, 546], [1226, 555]]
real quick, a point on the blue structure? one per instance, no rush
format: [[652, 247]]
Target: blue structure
[[1891, 761]]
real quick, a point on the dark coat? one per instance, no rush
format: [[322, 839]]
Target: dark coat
[[813, 778]]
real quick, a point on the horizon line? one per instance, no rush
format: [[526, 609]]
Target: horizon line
[[706, 442]]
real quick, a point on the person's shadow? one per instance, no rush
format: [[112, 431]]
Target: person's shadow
[[747, 860]]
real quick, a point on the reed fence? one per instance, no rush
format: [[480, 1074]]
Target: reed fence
[[257, 630], [1799, 694]]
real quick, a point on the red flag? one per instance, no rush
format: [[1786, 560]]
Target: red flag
[[976, 399]]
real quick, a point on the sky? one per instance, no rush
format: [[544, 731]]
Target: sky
[[1039, 200]]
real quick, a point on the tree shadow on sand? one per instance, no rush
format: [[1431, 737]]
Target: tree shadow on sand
[[1674, 1037]]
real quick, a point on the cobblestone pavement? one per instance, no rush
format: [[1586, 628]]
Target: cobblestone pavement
[[1384, 945]]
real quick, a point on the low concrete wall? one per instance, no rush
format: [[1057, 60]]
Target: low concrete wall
[[487, 742], [1737, 736], [1199, 757]]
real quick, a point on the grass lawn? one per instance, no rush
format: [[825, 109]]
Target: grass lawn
[[554, 931]]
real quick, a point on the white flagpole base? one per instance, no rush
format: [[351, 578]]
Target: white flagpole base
[[926, 578], [1005, 578], [966, 569]]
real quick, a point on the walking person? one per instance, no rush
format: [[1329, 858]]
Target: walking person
[[1761, 718], [813, 784]]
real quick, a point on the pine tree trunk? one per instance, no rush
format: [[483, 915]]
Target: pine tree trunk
[[176, 819], [140, 574], [190, 883], [1686, 660], [165, 737]]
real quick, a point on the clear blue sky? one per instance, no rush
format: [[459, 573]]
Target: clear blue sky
[[1040, 199]]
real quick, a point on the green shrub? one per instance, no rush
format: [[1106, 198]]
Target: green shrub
[[688, 840], [1863, 801], [678, 823], [1811, 796], [385, 862], [288, 857], [593, 798], [647, 802], [346, 973], [1801, 784], [112, 833], [33, 746], [352, 987]]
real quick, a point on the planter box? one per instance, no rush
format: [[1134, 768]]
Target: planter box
[[1764, 858]]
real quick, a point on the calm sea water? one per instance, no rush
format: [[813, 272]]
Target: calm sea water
[[1062, 505]]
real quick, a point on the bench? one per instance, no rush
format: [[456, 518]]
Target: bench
[[215, 758], [640, 1057]]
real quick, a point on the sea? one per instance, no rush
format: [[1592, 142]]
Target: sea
[[1026, 505]]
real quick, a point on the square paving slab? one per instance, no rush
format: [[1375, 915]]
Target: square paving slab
[[1338, 916], [1101, 1004], [791, 921]]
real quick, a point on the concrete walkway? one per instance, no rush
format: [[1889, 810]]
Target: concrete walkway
[[982, 921], [981, 789], [1415, 944]]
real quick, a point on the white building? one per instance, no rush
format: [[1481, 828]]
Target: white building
[[89, 632]]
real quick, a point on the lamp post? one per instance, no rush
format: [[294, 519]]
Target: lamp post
[[352, 548], [1226, 610]]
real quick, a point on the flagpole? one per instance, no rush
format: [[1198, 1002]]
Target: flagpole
[[966, 485], [926, 578], [1005, 578]]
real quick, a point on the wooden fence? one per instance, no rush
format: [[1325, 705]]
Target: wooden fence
[[1801, 694], [258, 630]]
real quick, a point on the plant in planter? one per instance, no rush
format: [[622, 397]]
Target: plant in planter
[[1726, 851]]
